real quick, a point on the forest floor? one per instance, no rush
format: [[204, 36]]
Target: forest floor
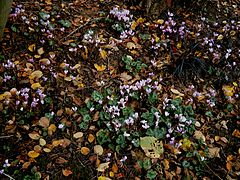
[[100, 90]]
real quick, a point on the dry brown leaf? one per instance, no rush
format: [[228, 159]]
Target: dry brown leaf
[[85, 150], [65, 142], [96, 116], [44, 122], [34, 135], [229, 166], [199, 135], [236, 133], [78, 135], [37, 148], [125, 77], [213, 152], [61, 160], [98, 149]]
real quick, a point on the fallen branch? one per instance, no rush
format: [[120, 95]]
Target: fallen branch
[[81, 26], [2, 137]]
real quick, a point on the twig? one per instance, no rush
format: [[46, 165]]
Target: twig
[[213, 172], [11, 178], [81, 26], [2, 137]]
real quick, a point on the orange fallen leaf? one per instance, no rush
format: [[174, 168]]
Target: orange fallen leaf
[[33, 154], [91, 138], [66, 172], [115, 168], [51, 129], [85, 150]]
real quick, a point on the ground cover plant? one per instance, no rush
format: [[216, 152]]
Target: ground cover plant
[[103, 90]]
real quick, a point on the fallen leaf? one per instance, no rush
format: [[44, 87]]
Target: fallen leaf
[[44, 61], [125, 77], [91, 138], [32, 47], [56, 143], [42, 142], [103, 166], [61, 160], [98, 150], [176, 92], [51, 129], [236, 133], [37, 148], [36, 74], [47, 150], [78, 135], [65, 142], [131, 45], [115, 168], [213, 152], [103, 54], [100, 68], [44, 122], [26, 165], [220, 37], [35, 86], [34, 135], [66, 172], [40, 51], [199, 135], [103, 178], [152, 147], [186, 144], [33, 154], [228, 90], [85, 150], [229, 166]]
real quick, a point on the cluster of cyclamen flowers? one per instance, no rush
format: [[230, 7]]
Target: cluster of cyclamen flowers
[[125, 16]]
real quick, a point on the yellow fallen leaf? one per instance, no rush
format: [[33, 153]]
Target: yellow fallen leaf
[[33, 154], [91, 138], [85, 150], [47, 150], [37, 148], [32, 47], [56, 143], [51, 129], [186, 144], [35, 85], [220, 37], [68, 79], [103, 54], [176, 92], [131, 45], [100, 68], [44, 122], [228, 90], [111, 174], [160, 21], [103, 178], [103, 166], [26, 165], [44, 61], [42, 142], [36, 74], [40, 51]]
